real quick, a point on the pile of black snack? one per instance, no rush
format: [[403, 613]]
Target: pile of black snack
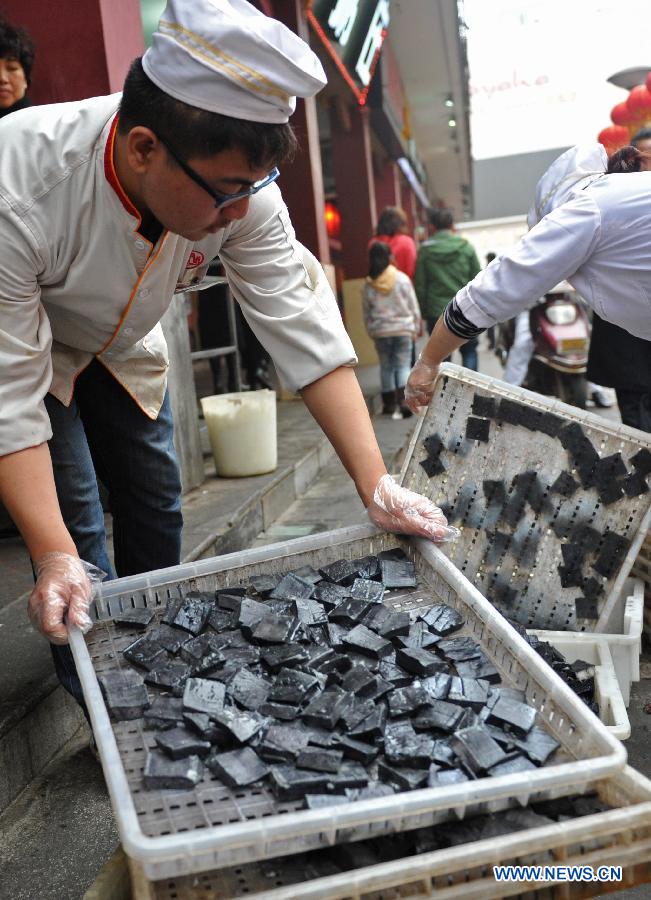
[[309, 681], [352, 856], [500, 508], [578, 675]]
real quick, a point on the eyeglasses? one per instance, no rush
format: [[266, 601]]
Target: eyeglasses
[[221, 200]]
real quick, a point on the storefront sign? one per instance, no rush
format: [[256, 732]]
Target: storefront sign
[[352, 32]]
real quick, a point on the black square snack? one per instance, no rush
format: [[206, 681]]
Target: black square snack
[[586, 609], [330, 594], [138, 619], [292, 587], [432, 467], [477, 429], [342, 571], [264, 584], [502, 593], [609, 468], [434, 445], [308, 573], [170, 675], [586, 537], [419, 662], [248, 689], [642, 461], [484, 406], [237, 768], [193, 612], [550, 424], [530, 417], [162, 773], [592, 588], [495, 492], [477, 750], [178, 743], [350, 612], [125, 694], [611, 493], [531, 486], [398, 573], [319, 760], [496, 546], [613, 551], [635, 485], [204, 695], [564, 485], [442, 619], [145, 652], [509, 411], [367, 589], [570, 576], [365, 641], [230, 598]]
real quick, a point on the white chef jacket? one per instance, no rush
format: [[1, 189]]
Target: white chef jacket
[[78, 280], [600, 241]]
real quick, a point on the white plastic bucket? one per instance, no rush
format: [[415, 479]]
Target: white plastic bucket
[[242, 432]]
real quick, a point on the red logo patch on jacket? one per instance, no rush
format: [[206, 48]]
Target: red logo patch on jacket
[[196, 259]]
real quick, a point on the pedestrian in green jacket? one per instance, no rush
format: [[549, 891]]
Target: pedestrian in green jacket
[[446, 262]]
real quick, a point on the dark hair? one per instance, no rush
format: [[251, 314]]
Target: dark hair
[[379, 257], [440, 219], [626, 159], [15, 43], [391, 220], [196, 132], [644, 134], [490, 257]]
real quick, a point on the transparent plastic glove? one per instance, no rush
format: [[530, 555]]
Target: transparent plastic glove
[[402, 511], [420, 386], [64, 584]]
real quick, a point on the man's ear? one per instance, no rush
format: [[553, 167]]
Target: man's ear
[[142, 146]]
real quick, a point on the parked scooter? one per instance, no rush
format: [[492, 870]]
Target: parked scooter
[[560, 330]]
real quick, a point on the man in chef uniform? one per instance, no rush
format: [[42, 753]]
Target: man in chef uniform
[[109, 205], [587, 227]]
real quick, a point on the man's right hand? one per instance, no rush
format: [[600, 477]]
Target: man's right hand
[[62, 585]]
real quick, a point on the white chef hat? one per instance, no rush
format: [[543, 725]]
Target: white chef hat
[[225, 56], [572, 171]]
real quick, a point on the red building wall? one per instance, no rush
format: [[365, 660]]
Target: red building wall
[[83, 47]]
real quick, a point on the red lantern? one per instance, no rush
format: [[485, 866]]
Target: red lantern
[[621, 114], [613, 137], [333, 220], [639, 103], [648, 82]]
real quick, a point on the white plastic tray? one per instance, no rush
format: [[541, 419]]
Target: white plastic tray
[[527, 556], [620, 837], [172, 833], [624, 643], [595, 649], [642, 569]]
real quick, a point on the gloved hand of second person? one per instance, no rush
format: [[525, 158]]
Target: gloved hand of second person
[[64, 583], [402, 511], [420, 386]]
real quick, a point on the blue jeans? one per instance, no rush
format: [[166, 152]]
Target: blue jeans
[[395, 361], [468, 350], [104, 435]]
